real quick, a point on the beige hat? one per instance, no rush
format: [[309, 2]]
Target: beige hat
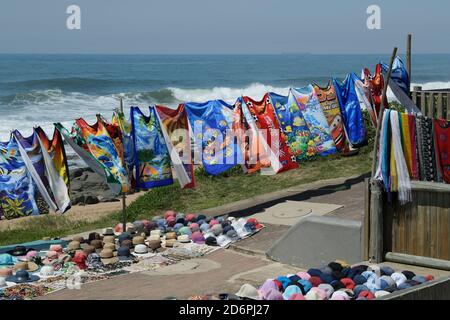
[[171, 235], [170, 243], [108, 239], [154, 238], [154, 244], [156, 232], [26, 265], [73, 246], [88, 250], [108, 232], [107, 256], [80, 239], [138, 240], [110, 246], [184, 238]]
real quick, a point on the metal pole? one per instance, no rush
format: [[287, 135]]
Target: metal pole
[[408, 59], [380, 114], [124, 196]]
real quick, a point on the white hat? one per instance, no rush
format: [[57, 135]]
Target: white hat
[[248, 291], [141, 249], [375, 269], [223, 240], [381, 293], [156, 232], [184, 238], [399, 278], [153, 237]]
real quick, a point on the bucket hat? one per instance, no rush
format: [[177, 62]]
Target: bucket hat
[[290, 290], [19, 251], [191, 217], [153, 237], [185, 230], [217, 229], [232, 235], [28, 265], [57, 248], [80, 259], [138, 240], [80, 239], [88, 250], [141, 249], [171, 235], [110, 246], [7, 260], [107, 256], [194, 227], [22, 276], [154, 244], [127, 243], [197, 237], [50, 257], [184, 238], [274, 295], [108, 232], [73, 246], [247, 291], [156, 232], [268, 285], [170, 243], [169, 213], [97, 244], [211, 241], [109, 239], [124, 254]]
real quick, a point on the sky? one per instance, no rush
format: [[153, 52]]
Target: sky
[[222, 27]]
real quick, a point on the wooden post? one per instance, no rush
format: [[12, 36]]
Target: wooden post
[[408, 58], [415, 96], [366, 221], [376, 223], [380, 114], [124, 196]]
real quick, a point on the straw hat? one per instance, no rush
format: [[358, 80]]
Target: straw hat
[[26, 265], [154, 244], [108, 232], [184, 238], [107, 256], [153, 238], [138, 240], [171, 235], [97, 244], [73, 246], [108, 239], [110, 246], [170, 243], [156, 232], [6, 272], [88, 250], [80, 239]]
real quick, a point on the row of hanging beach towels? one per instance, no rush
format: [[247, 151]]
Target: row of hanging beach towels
[[141, 152]]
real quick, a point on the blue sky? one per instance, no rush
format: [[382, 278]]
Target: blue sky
[[222, 27]]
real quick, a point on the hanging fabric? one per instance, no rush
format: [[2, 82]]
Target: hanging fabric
[[124, 125], [309, 106], [211, 124], [442, 138], [17, 189], [331, 109], [152, 158], [384, 153], [426, 149], [408, 135], [98, 142], [375, 83], [175, 128], [400, 84], [31, 152], [400, 181], [57, 169], [266, 121], [351, 110], [255, 153], [293, 127], [365, 97]]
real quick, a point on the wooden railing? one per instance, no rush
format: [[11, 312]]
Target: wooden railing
[[433, 103]]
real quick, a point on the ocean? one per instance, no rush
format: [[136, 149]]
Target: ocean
[[43, 89]]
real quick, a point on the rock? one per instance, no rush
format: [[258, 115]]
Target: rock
[[108, 199], [91, 200], [78, 200]]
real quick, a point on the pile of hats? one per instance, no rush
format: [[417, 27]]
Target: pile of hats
[[175, 228], [335, 281]]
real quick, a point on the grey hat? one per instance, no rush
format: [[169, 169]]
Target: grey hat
[[232, 234]]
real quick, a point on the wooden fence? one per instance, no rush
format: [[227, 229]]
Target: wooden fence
[[433, 103]]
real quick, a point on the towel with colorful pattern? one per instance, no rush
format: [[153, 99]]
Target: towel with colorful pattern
[[442, 136]]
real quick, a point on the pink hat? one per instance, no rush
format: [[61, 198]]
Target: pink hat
[[274, 295], [297, 296], [118, 228], [190, 217], [213, 222], [169, 213], [29, 256], [304, 275], [266, 287], [170, 221], [320, 293], [194, 227], [50, 257], [197, 237], [56, 247], [146, 223]]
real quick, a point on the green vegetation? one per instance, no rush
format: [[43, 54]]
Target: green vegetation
[[230, 186]]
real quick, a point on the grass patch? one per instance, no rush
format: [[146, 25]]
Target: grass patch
[[210, 192]]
